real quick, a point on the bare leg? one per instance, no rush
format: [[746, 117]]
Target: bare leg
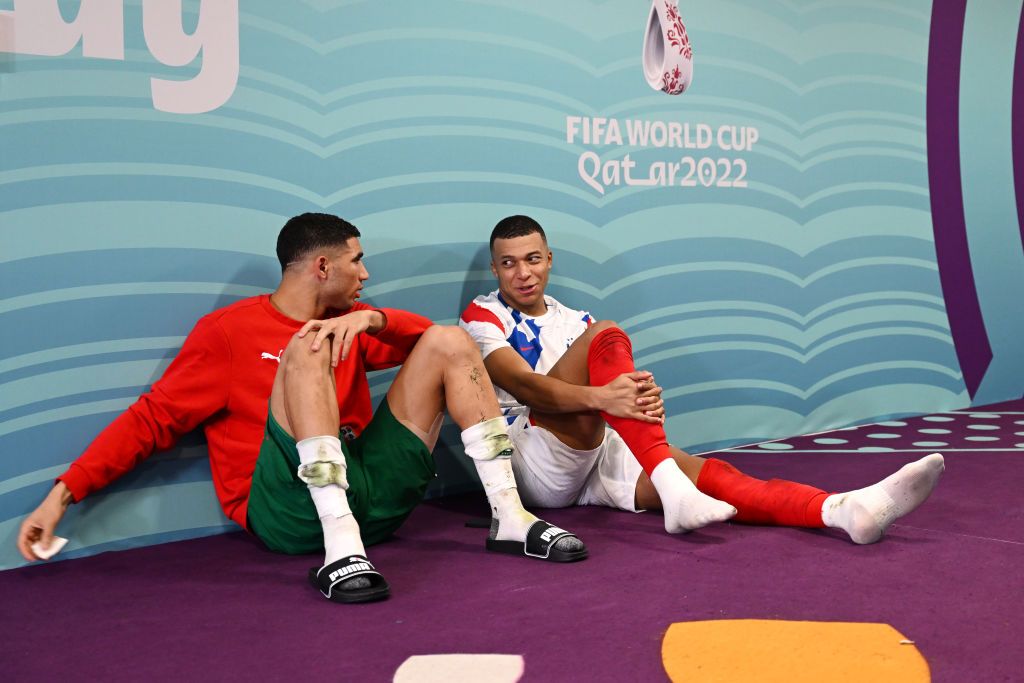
[[688, 508], [864, 514], [445, 370], [581, 431], [304, 402], [304, 399]]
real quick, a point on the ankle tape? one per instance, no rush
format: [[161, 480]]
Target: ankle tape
[[322, 462], [323, 473], [495, 475], [487, 440]]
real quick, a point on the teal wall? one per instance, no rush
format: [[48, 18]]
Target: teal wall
[[143, 181]]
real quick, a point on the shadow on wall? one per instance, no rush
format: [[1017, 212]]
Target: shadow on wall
[[190, 455], [259, 271], [473, 286], [255, 273]]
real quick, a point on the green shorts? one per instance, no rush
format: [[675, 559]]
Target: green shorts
[[388, 471]]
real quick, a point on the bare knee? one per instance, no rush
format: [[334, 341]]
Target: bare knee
[[447, 341], [299, 359], [601, 326]]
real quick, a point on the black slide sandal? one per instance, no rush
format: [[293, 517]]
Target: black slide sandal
[[326, 579], [540, 544]]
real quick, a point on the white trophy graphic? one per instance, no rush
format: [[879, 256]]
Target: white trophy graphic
[[668, 56]]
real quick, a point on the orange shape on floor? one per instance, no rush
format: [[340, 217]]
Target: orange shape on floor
[[766, 650]]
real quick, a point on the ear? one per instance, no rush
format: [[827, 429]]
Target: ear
[[321, 263], [494, 271]]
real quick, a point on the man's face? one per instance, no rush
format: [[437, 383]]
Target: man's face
[[345, 276], [522, 266]]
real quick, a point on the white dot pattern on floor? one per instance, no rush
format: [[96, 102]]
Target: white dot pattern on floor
[[775, 446], [954, 431]]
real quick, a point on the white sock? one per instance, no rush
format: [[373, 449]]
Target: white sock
[[866, 513], [323, 461], [487, 443], [341, 538], [685, 507], [503, 496]]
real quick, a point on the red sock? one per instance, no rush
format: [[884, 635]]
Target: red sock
[[611, 355], [776, 501]]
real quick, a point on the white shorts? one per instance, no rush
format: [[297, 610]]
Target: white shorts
[[549, 474]]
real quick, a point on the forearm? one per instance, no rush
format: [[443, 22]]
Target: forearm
[[551, 395], [61, 495], [397, 328], [378, 321]]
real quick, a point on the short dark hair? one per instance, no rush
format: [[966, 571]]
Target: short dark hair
[[309, 232], [516, 226]]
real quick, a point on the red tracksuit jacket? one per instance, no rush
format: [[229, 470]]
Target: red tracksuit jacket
[[222, 379]]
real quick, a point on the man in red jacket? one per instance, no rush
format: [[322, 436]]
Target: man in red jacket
[[297, 455]]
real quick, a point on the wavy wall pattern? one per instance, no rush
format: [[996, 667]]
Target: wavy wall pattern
[[809, 300]]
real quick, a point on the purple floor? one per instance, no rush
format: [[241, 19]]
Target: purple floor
[[949, 576]]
